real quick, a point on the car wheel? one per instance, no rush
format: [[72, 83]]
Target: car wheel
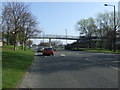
[[52, 54]]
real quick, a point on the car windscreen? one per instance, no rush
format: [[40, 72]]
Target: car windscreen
[[48, 49]]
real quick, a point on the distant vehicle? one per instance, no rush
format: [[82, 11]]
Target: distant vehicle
[[55, 49], [48, 51], [35, 49], [40, 49]]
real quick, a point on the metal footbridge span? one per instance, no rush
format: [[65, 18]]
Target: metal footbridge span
[[68, 37]]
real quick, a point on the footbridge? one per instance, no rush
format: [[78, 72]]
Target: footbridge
[[68, 37]]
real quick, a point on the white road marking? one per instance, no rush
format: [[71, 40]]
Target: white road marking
[[114, 67], [105, 64], [116, 61], [62, 55]]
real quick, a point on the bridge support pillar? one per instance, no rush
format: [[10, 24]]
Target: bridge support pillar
[[50, 42]]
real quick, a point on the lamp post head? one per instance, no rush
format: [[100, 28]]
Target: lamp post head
[[105, 4], [109, 5]]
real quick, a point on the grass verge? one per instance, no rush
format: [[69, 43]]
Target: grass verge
[[14, 65], [102, 51], [95, 50]]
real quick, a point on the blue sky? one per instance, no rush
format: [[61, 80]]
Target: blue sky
[[55, 17]]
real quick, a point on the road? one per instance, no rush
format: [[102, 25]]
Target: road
[[73, 69]]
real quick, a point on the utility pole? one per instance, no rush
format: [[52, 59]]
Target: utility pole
[[43, 37], [114, 43], [66, 36]]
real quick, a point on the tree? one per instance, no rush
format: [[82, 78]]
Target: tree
[[56, 43], [19, 20], [110, 39], [0, 18], [29, 30], [102, 27], [53, 43], [88, 27], [105, 29], [29, 43], [46, 44]]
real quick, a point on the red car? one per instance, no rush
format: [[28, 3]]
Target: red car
[[48, 51]]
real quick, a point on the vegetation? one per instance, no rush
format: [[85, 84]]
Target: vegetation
[[103, 51], [53, 43], [95, 50], [88, 27], [15, 63], [103, 28], [18, 24]]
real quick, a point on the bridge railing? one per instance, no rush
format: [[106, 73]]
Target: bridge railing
[[64, 37], [58, 36]]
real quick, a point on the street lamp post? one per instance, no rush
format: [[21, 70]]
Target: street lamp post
[[114, 27]]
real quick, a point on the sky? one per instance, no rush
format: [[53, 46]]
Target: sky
[[55, 17]]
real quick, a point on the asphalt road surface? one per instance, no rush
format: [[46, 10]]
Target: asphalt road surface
[[73, 69]]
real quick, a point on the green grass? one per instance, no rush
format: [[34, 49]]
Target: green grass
[[102, 51], [95, 50], [14, 65]]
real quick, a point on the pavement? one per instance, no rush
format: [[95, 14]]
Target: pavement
[[73, 69]]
